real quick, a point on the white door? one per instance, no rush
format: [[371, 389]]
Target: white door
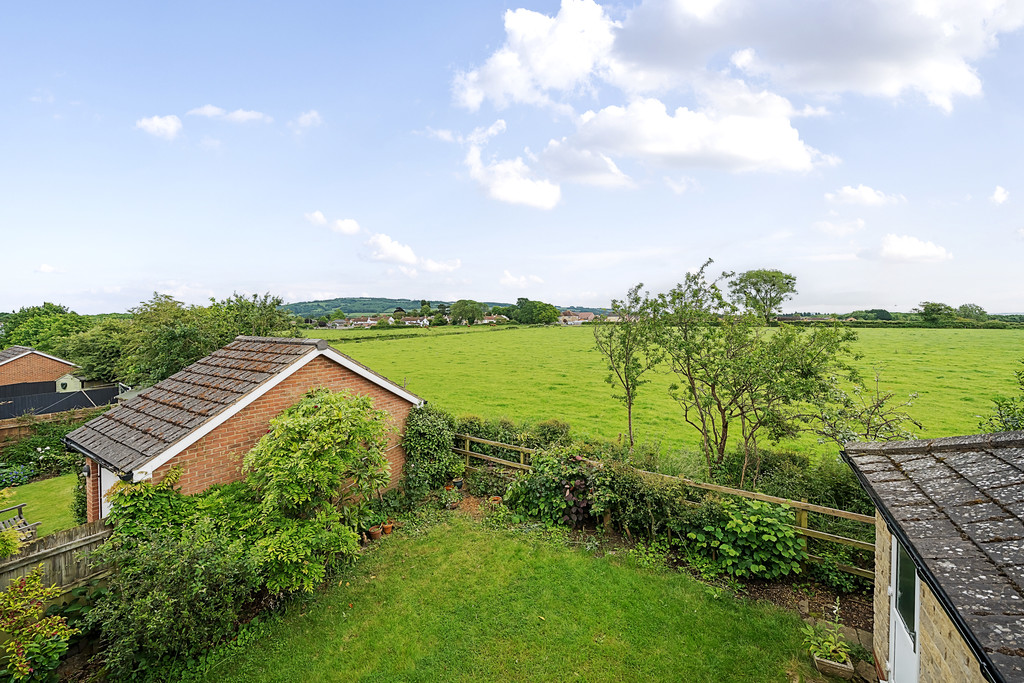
[[107, 479], [904, 641]]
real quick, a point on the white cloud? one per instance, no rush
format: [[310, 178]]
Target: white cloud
[[387, 249], [509, 180], [519, 281], [309, 119], [583, 166], [207, 110], [46, 268], [244, 115], [315, 217], [541, 54], [237, 116], [743, 131], [1000, 195], [682, 185], [907, 248], [440, 266], [838, 229], [443, 134], [346, 226], [862, 194], [166, 127], [210, 143]]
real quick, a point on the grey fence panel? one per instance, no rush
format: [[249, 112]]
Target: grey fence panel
[[62, 555]]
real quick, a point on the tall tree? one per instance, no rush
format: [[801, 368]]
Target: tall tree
[[935, 313], [763, 291], [972, 312], [629, 347], [467, 310]]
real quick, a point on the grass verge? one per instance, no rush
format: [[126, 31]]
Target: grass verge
[[462, 603]]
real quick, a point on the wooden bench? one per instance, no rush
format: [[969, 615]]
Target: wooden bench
[[26, 531]]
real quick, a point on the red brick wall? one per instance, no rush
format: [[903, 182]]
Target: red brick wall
[[33, 368], [217, 457], [92, 491]]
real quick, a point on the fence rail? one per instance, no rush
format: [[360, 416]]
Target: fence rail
[[802, 507], [61, 554]]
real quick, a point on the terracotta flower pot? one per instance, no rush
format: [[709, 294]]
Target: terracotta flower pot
[[374, 533], [495, 500], [842, 670], [388, 527]]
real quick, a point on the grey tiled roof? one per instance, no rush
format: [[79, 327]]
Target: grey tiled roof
[[143, 427], [12, 352], [960, 502]]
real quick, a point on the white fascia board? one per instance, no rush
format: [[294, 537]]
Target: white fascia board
[[370, 375], [147, 470], [44, 355]]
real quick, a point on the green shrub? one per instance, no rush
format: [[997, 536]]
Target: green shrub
[[36, 643], [172, 595], [16, 475], [79, 503], [428, 441], [828, 571], [652, 555], [756, 540], [640, 507], [558, 490], [42, 449], [489, 481]]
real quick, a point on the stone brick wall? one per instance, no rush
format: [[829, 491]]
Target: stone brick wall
[[217, 457], [33, 368], [944, 654]]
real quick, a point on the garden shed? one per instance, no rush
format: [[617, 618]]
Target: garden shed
[[949, 556], [206, 417]]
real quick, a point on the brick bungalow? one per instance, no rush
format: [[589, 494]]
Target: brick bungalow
[[949, 556], [206, 417], [22, 364]]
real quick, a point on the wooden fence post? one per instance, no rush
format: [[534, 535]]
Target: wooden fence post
[[467, 450], [801, 522]]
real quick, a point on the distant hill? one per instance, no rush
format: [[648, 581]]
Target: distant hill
[[365, 305]]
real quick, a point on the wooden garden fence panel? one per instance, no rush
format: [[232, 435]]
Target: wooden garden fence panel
[[802, 507], [61, 554]]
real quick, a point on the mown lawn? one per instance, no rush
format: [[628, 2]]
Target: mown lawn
[[542, 373], [47, 501], [463, 603]]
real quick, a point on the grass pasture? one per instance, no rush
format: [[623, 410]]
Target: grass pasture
[[47, 501], [538, 373], [461, 603]]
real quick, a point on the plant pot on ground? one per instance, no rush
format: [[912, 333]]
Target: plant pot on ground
[[388, 526], [842, 670], [374, 532], [828, 647], [457, 483]]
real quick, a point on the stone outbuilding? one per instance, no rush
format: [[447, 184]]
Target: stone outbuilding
[[23, 364], [206, 417], [949, 556]]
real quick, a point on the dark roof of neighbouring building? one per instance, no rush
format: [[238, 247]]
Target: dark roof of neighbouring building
[[146, 426], [958, 504]]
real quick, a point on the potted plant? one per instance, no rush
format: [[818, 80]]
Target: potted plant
[[387, 527], [458, 482], [375, 520], [450, 498], [829, 649]]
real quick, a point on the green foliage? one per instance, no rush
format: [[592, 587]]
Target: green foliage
[[313, 447], [46, 332], [763, 291], [173, 593], [489, 481], [16, 475], [36, 643], [827, 642], [79, 502], [527, 312], [428, 440], [99, 350], [756, 540], [935, 313], [76, 605], [558, 490], [42, 450], [828, 572], [9, 542], [1007, 413], [652, 555], [972, 312], [860, 414], [140, 508]]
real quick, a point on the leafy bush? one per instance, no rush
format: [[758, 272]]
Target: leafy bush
[[827, 642], [10, 542], [489, 481], [653, 555], [173, 594], [756, 540], [16, 475], [42, 448], [429, 437], [558, 490], [36, 642], [828, 571], [79, 502], [640, 507], [830, 482]]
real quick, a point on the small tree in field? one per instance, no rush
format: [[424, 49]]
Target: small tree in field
[[862, 414], [763, 291], [629, 347], [1007, 413]]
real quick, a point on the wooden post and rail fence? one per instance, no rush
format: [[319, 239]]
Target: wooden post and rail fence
[[802, 507]]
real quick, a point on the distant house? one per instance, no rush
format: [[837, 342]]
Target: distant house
[[339, 324], [416, 321], [20, 364], [575, 317], [208, 416], [949, 556], [492, 320]]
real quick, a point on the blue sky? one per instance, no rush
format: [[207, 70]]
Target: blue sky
[[487, 150]]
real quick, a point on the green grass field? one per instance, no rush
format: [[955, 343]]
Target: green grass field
[[47, 501], [462, 603], [539, 373]]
